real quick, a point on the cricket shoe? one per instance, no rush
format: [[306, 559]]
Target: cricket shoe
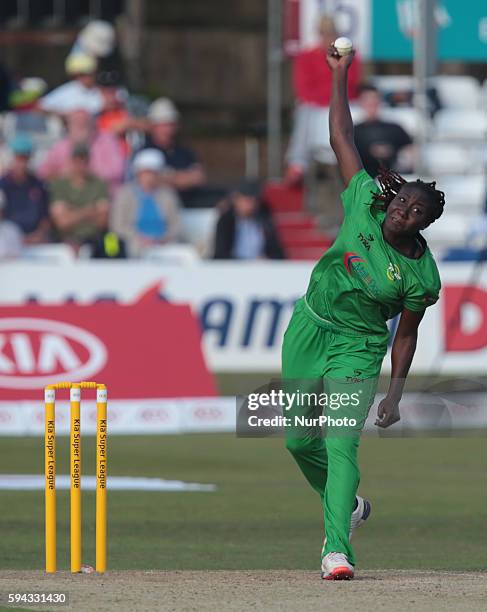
[[335, 566], [359, 516]]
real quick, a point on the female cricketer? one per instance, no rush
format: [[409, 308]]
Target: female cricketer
[[378, 267]]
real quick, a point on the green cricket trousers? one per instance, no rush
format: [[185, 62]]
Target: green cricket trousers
[[340, 364]]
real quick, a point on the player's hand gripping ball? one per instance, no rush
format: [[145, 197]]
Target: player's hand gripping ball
[[343, 45]]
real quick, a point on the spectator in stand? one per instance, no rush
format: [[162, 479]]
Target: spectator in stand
[[6, 88], [312, 81], [80, 92], [379, 142], [107, 160], [183, 170], [245, 229], [79, 201], [97, 39], [115, 118], [24, 197], [146, 212], [25, 97], [10, 237]]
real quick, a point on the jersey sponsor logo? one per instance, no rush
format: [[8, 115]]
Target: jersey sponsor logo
[[366, 240], [349, 259], [357, 377], [354, 263], [393, 273]]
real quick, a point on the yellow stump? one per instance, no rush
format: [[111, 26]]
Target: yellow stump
[[101, 479], [50, 475], [75, 468]]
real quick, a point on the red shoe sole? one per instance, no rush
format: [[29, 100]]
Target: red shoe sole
[[340, 573]]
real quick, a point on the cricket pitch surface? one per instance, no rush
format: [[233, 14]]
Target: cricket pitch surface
[[272, 590]]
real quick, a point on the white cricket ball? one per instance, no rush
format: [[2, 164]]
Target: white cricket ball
[[343, 45]]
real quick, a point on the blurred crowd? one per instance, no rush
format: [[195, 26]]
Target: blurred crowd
[[91, 166], [88, 165]]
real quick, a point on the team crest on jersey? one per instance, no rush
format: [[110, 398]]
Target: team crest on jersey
[[393, 272]]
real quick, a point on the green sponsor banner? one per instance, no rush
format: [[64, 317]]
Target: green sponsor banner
[[462, 29]]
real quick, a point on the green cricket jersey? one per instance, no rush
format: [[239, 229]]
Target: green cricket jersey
[[362, 281]]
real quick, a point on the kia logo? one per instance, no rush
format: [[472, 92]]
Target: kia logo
[[112, 416], [5, 417], [207, 413], [61, 417], [38, 352], [154, 415]]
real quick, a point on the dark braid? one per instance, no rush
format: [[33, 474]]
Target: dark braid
[[391, 182], [437, 196]]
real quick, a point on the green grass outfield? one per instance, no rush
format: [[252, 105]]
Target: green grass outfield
[[429, 499]]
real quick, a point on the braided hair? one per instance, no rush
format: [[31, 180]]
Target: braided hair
[[391, 182]]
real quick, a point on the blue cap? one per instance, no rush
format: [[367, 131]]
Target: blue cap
[[22, 144]]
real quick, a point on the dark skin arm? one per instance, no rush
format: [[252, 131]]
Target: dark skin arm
[[341, 125], [349, 163], [403, 349]]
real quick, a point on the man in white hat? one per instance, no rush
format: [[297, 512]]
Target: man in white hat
[[184, 172], [80, 92], [97, 39]]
